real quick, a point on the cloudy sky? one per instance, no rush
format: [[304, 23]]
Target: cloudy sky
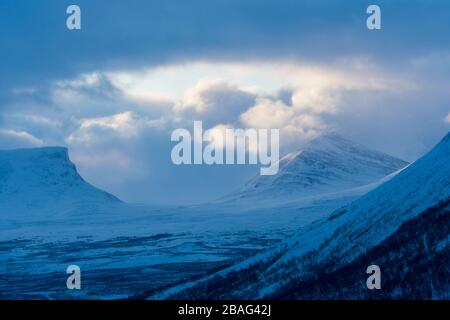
[[113, 91]]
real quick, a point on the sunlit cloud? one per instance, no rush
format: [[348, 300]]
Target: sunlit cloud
[[172, 81], [18, 139], [91, 130], [120, 121]]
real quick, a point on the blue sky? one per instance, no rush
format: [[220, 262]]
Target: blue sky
[[113, 91]]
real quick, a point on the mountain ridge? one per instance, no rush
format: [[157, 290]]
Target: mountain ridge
[[338, 239], [326, 164], [44, 178]]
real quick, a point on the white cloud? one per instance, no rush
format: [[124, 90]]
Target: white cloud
[[34, 119], [18, 139], [122, 122], [214, 101], [218, 92], [295, 125], [447, 118], [111, 120], [84, 80], [84, 89], [198, 98], [267, 114], [316, 100], [171, 81], [114, 144], [124, 125]]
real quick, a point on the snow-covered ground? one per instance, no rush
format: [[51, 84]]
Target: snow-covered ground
[[51, 218], [349, 232]]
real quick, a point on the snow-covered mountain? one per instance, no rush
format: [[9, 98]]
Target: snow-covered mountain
[[346, 235], [328, 173], [414, 264], [327, 164], [47, 207], [43, 180]]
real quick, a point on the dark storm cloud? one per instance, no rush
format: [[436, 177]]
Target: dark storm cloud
[[35, 45]]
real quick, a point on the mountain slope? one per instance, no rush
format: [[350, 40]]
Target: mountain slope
[[43, 179], [339, 239], [326, 164], [414, 264], [414, 261]]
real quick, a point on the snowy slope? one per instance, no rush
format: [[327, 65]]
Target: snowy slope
[[46, 208], [337, 240], [43, 181], [414, 261], [327, 174], [379, 213], [326, 164]]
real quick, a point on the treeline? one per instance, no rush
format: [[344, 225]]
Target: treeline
[[414, 262]]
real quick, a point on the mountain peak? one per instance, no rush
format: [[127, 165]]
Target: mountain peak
[[36, 152], [328, 163], [403, 212], [38, 178], [333, 140]]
